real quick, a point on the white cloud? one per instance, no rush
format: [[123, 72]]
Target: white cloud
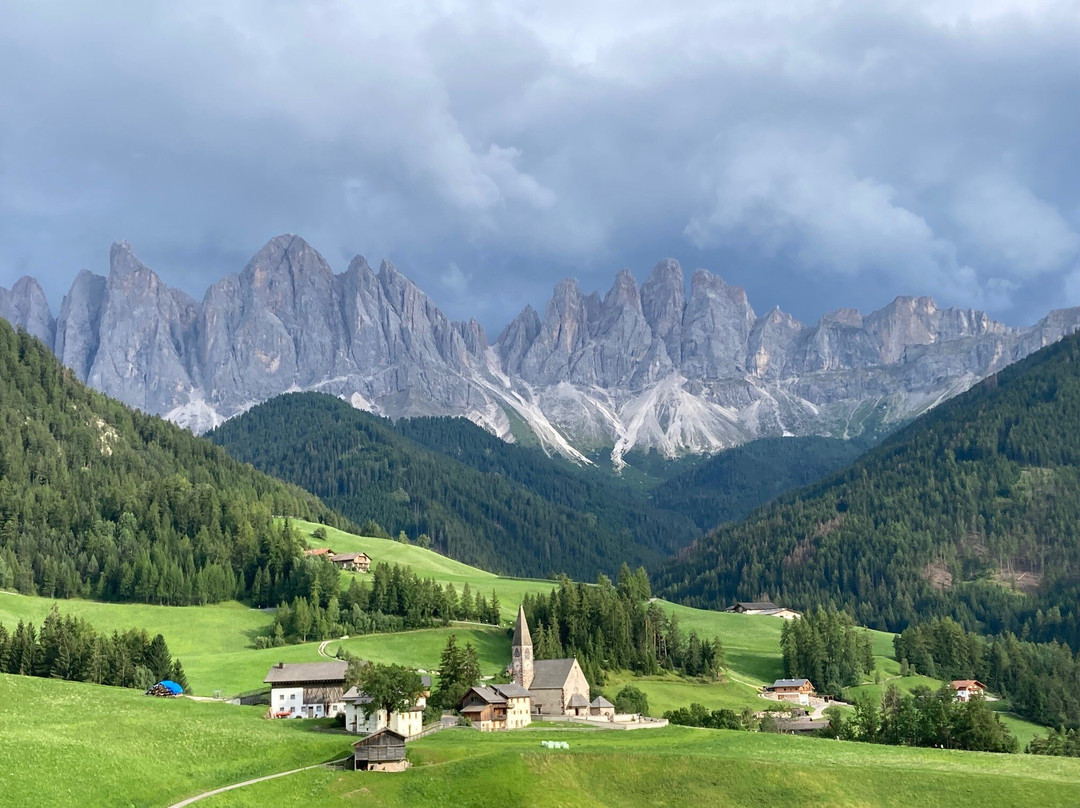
[[1006, 225], [804, 200]]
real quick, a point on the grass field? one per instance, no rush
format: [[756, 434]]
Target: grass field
[[676, 767], [70, 744], [73, 744]]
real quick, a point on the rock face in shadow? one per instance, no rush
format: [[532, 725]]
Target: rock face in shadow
[[656, 367]]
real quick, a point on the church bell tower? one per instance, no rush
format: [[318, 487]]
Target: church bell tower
[[521, 661]]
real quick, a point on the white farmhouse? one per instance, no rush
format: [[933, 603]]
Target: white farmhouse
[[407, 723], [307, 689]]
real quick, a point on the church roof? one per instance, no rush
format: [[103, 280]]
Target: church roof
[[551, 674], [578, 700], [521, 629]]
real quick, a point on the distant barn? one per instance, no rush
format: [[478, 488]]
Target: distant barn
[[382, 751]]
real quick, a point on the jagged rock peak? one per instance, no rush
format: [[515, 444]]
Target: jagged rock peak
[[286, 255], [122, 260], [848, 317], [26, 306]]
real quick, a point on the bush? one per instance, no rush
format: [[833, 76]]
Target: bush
[[631, 699]]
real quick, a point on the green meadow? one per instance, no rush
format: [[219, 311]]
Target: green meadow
[[675, 767], [75, 744]]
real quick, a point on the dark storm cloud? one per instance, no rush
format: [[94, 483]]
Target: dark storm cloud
[[819, 153]]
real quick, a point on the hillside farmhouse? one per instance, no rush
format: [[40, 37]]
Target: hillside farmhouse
[[354, 562], [307, 689], [796, 690], [556, 686], [407, 723], [497, 707], [319, 552], [966, 688], [764, 607], [382, 751]]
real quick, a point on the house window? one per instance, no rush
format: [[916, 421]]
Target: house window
[[292, 697]]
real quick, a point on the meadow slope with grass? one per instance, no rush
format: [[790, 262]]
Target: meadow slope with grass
[[676, 766]]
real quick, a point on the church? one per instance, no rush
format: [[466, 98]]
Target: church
[[557, 686]]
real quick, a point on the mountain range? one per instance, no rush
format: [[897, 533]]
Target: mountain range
[[639, 368]]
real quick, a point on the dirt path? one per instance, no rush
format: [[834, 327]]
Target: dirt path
[[223, 789]]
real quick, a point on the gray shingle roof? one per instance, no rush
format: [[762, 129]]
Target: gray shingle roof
[[578, 700], [333, 671], [511, 690], [790, 682], [490, 695], [757, 605], [550, 674], [600, 701]]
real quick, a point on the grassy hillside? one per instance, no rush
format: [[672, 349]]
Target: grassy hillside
[[74, 744], [970, 511], [676, 767], [507, 508], [82, 745]]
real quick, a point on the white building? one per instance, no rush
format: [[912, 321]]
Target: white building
[[307, 689], [407, 723]]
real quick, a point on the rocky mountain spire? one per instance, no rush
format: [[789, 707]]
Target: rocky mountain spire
[[25, 306]]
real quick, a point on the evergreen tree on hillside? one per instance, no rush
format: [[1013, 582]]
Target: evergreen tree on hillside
[[101, 501], [972, 511]]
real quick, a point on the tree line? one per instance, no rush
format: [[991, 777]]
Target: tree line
[[923, 718], [826, 647], [1040, 680], [393, 598], [68, 647], [612, 626]]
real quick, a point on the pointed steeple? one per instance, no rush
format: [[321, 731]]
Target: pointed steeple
[[521, 651], [521, 629]]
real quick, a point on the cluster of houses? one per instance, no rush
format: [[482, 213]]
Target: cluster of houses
[[352, 562], [539, 688]]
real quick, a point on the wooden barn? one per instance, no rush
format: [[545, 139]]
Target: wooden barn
[[382, 751]]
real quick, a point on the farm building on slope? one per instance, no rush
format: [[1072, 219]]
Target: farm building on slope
[[497, 707], [382, 751], [307, 689], [763, 607]]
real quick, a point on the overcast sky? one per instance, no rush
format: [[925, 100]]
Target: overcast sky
[[821, 154]]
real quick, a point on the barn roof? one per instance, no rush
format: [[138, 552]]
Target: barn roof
[[551, 674], [757, 605], [333, 671], [375, 737]]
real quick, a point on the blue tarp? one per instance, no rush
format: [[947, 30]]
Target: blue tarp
[[172, 687]]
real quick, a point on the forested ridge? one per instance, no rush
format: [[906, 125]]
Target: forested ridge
[[517, 513], [98, 500], [972, 511], [727, 487]]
